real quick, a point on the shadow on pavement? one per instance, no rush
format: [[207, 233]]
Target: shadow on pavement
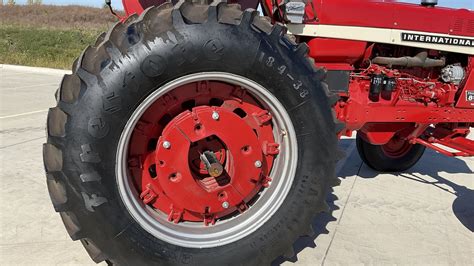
[[464, 202], [463, 205]]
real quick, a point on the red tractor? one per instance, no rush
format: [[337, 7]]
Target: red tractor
[[196, 133]]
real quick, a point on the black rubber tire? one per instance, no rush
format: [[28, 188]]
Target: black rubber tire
[[112, 77], [375, 158]]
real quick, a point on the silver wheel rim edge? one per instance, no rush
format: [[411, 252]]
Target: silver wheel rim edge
[[228, 231]]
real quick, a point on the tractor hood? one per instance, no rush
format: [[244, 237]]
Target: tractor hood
[[393, 15]]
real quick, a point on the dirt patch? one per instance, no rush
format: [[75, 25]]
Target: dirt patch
[[56, 17]]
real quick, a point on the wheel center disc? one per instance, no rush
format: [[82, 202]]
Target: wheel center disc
[[195, 196]]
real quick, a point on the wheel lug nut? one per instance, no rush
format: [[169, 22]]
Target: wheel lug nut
[[166, 144], [215, 115], [258, 164], [225, 205]]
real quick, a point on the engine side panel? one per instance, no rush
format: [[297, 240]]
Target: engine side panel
[[391, 14]]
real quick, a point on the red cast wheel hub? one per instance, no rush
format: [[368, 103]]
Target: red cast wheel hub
[[202, 152], [397, 147]]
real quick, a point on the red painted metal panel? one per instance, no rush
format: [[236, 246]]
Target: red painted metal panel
[[391, 14], [325, 50], [137, 6]]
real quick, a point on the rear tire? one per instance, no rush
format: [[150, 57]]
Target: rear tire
[[383, 158], [135, 59]]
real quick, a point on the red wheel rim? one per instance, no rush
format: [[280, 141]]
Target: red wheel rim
[[255, 154], [167, 144], [396, 147]]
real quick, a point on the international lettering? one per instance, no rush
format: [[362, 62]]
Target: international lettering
[[455, 41]]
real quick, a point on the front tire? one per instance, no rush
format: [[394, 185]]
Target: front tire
[[396, 156], [134, 64]]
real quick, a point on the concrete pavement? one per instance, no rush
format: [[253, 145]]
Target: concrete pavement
[[422, 216], [31, 233]]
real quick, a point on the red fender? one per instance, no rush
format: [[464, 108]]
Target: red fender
[[137, 6]]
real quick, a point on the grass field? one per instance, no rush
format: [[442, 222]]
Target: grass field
[[49, 36], [42, 47]]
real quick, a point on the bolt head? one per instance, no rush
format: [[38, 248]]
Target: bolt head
[[225, 205], [258, 164], [166, 144], [215, 115]]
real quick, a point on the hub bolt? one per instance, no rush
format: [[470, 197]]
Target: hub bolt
[[225, 205], [166, 145], [215, 115], [258, 164]]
